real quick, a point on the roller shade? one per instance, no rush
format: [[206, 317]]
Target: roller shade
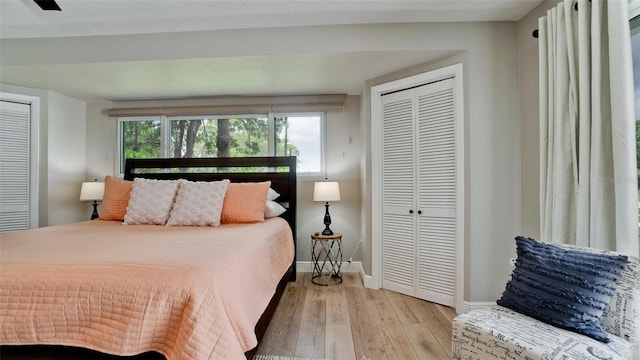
[[317, 103]]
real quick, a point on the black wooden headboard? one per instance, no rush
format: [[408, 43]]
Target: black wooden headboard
[[281, 171]]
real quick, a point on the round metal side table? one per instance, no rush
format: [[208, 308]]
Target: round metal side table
[[326, 258]]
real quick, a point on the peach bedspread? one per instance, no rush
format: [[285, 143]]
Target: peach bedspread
[[186, 292]]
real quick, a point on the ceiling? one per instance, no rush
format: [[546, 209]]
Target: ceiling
[[79, 50]]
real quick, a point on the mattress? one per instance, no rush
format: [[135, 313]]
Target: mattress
[[185, 292]]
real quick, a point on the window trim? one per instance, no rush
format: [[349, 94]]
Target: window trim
[[165, 134]]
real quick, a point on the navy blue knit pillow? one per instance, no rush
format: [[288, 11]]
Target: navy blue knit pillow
[[570, 289]]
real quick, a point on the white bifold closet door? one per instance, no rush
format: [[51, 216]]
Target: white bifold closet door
[[419, 192], [14, 166]]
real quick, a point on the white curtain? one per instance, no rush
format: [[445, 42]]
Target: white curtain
[[588, 183]]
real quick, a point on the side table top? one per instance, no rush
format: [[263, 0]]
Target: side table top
[[326, 237]]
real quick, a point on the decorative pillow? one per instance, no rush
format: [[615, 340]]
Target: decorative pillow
[[198, 203], [116, 198], [151, 201], [272, 194], [273, 209], [623, 317], [245, 202], [570, 289]]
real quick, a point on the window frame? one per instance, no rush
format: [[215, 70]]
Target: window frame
[[165, 134]]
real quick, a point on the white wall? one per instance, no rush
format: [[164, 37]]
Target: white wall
[[61, 155], [343, 165], [488, 52], [67, 161]]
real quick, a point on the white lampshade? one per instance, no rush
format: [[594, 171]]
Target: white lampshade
[[92, 191], [326, 191]]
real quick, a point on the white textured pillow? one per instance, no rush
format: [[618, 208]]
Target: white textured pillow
[[151, 201], [273, 209], [198, 203], [272, 194]]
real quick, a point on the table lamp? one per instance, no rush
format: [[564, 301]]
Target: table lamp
[[326, 191], [92, 191]]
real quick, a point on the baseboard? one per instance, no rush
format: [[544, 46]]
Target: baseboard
[[347, 267], [356, 266], [469, 306], [367, 280]]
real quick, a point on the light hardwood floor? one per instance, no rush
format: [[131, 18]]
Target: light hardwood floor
[[348, 321]]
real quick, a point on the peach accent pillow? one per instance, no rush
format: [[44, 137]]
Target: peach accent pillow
[[198, 203], [245, 202], [116, 198]]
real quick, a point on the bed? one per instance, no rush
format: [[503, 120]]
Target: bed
[[184, 292]]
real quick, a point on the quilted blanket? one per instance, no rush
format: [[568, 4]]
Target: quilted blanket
[[187, 292]]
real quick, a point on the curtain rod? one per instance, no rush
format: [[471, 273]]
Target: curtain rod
[[575, 7]]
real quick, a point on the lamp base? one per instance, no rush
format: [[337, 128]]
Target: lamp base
[[94, 215], [327, 221], [327, 231]]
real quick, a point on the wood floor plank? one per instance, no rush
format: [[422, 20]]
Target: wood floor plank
[[403, 311], [317, 292], [424, 343], [448, 312], [311, 338], [383, 307], [395, 341], [337, 308], [366, 336], [438, 324], [348, 321], [376, 294], [351, 280], [281, 336], [339, 343], [303, 279]]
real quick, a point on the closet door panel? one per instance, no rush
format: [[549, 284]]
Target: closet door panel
[[14, 166], [398, 188], [436, 192], [399, 253], [436, 260]]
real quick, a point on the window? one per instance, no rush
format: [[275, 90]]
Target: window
[[140, 139], [299, 134], [218, 136]]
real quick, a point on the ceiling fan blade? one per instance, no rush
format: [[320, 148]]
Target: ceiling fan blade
[[48, 5]]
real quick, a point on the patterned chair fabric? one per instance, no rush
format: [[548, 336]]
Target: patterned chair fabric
[[501, 333]]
